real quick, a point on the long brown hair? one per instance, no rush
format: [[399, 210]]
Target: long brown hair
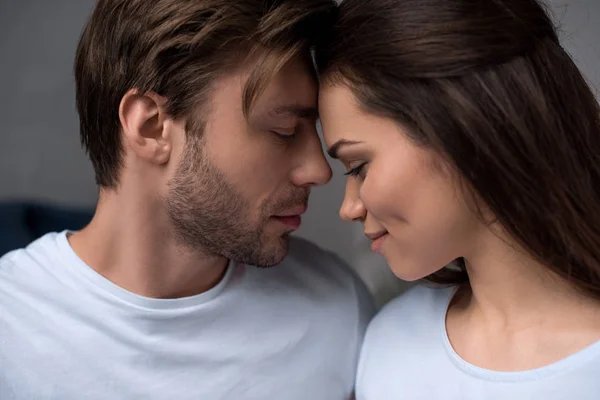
[[487, 85]]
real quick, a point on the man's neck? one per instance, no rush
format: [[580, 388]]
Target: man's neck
[[131, 243]]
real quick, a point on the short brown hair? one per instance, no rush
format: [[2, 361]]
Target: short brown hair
[[487, 85], [177, 48]]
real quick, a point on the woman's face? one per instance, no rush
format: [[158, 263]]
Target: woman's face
[[403, 194]]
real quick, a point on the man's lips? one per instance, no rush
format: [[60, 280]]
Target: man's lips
[[292, 218], [293, 212]]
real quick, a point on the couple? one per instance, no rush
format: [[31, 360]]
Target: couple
[[471, 142]]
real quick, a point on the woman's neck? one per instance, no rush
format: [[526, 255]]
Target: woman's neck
[[516, 313]]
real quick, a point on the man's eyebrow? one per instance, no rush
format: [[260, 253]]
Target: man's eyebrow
[[335, 148], [298, 111]]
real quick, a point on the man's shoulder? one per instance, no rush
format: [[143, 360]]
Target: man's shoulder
[[322, 274], [331, 285], [38, 253]]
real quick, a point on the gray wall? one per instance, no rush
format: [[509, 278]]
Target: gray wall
[[40, 156]]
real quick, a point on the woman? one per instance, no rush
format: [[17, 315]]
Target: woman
[[472, 144]]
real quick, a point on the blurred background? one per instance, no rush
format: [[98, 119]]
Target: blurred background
[[42, 166]]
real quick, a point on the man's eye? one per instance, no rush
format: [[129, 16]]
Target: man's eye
[[285, 133]]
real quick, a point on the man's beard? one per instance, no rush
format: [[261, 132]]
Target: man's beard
[[208, 213]]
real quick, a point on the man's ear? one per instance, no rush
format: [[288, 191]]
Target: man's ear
[[143, 122]]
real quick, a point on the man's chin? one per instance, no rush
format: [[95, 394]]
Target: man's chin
[[274, 251]]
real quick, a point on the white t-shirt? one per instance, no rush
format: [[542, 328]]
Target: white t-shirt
[[407, 355], [289, 332]]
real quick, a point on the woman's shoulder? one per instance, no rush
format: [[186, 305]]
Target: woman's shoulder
[[418, 308], [406, 330]]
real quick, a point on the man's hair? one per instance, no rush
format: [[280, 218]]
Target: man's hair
[[177, 48]]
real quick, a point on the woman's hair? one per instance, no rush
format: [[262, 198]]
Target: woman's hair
[[487, 85]]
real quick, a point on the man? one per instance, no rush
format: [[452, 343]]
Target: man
[[199, 119]]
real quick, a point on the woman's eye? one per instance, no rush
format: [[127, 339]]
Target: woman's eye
[[356, 171]]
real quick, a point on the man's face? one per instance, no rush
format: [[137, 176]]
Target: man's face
[[240, 189]]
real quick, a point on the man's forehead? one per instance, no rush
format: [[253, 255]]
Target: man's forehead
[[294, 83], [291, 93], [287, 99], [295, 110]]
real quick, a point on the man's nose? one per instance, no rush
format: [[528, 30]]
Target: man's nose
[[313, 170]]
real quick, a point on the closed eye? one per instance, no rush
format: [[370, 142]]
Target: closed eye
[[357, 170], [285, 134]]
